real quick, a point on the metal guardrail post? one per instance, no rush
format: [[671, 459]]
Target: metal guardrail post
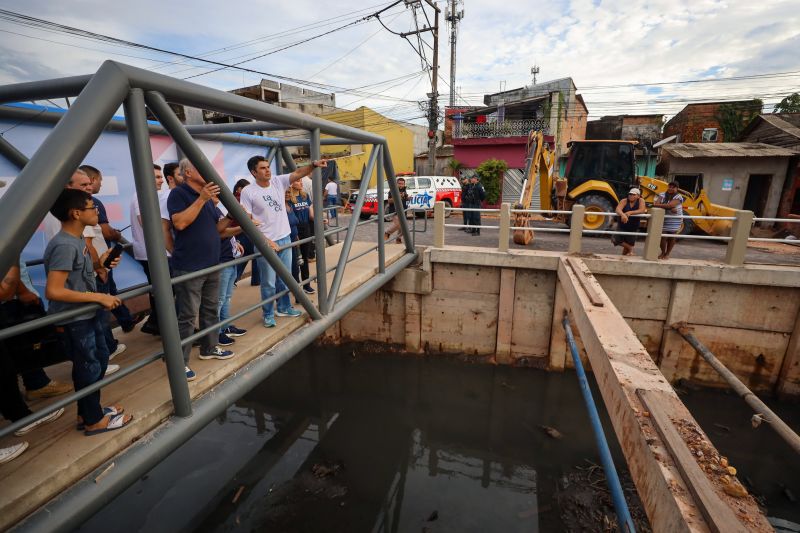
[[505, 226], [576, 228], [438, 224], [655, 227], [142, 159], [193, 152], [57, 158], [273, 152], [318, 200], [351, 230], [398, 202], [740, 232], [381, 214], [288, 160]]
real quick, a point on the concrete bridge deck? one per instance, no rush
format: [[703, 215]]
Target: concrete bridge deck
[[59, 455]]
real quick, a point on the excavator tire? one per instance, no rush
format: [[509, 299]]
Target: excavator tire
[[687, 227], [596, 203]]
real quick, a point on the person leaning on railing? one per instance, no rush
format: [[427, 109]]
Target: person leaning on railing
[[71, 283], [627, 210], [671, 202]]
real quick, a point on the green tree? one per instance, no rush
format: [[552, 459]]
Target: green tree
[[734, 117], [490, 172], [790, 104], [454, 165]]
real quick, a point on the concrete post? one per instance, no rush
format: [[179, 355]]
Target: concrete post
[[740, 232], [505, 226], [438, 224], [576, 228], [655, 227]]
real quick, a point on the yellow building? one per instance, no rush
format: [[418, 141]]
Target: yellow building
[[352, 159]]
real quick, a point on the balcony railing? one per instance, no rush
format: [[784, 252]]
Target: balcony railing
[[506, 128]]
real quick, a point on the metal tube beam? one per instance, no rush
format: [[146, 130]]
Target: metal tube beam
[[42, 90], [202, 97], [351, 230], [56, 159], [317, 201], [142, 160], [235, 127], [287, 158], [381, 214], [17, 158], [274, 153], [329, 141], [773, 420], [52, 117], [398, 202], [614, 486], [193, 152], [77, 504]]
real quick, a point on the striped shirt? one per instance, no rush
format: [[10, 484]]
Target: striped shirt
[[672, 225]]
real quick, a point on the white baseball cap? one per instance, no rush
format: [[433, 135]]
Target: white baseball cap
[[635, 191]]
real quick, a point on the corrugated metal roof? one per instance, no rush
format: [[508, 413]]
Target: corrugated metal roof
[[686, 150], [780, 122]]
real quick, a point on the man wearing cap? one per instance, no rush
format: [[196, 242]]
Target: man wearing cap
[[632, 205], [671, 202]]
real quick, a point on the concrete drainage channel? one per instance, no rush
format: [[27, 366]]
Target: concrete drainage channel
[[507, 308]]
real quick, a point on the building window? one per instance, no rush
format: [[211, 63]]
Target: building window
[[710, 135]]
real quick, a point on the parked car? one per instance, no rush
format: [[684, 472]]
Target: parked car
[[423, 192]]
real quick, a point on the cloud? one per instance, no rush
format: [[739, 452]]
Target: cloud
[[598, 44]]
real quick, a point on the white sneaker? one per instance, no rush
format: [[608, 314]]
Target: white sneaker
[[11, 452], [33, 425], [120, 348], [110, 369]]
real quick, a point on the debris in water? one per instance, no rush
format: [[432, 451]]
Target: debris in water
[[789, 495], [757, 419], [723, 427], [507, 386], [238, 494], [434, 516], [321, 470], [552, 432]]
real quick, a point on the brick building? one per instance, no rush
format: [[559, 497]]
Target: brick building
[[644, 129], [701, 122]]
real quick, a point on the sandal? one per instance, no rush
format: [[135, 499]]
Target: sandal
[[107, 411], [116, 422]]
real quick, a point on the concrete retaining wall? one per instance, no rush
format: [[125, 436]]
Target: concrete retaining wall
[[503, 306]]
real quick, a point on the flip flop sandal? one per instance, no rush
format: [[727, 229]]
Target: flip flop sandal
[[107, 411], [116, 422]]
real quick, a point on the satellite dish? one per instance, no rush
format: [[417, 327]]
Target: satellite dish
[[665, 141]]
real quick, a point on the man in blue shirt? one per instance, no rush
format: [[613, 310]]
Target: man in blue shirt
[[198, 227]]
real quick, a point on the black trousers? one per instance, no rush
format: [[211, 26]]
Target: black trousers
[[306, 250]]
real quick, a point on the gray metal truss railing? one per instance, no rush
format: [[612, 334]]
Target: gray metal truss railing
[[75, 132]]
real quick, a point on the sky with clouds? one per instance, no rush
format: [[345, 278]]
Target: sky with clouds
[[606, 46]]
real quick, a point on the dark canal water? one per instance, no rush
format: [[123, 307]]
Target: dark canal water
[[337, 441]]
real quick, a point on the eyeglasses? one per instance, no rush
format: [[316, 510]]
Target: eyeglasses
[[92, 207]]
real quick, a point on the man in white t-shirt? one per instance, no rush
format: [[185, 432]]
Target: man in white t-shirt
[[139, 248], [332, 196], [265, 201]]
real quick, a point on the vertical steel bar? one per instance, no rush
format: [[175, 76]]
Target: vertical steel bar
[[318, 203], [381, 214], [142, 160], [182, 138], [38, 185], [288, 159], [351, 229], [272, 151], [275, 153], [398, 202]]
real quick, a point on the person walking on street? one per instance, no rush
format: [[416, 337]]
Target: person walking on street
[[627, 210], [671, 202], [464, 217], [332, 196], [473, 196], [394, 227]]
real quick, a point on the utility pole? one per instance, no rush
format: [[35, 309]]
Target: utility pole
[[534, 72], [453, 17], [433, 107]]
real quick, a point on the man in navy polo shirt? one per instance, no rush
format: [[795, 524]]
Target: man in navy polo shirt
[[198, 226]]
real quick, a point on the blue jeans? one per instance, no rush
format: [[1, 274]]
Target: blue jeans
[[270, 285], [227, 276], [84, 342], [332, 201], [105, 317]]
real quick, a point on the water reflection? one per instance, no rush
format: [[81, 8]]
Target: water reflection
[[381, 443]]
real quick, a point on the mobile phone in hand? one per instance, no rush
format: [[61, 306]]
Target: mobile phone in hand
[[115, 252]]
